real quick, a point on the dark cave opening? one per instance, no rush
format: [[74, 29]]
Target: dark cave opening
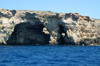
[[62, 35], [27, 34], [64, 39]]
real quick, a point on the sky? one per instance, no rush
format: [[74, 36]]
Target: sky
[[89, 8]]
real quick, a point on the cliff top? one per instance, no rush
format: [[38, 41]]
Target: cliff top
[[44, 13]]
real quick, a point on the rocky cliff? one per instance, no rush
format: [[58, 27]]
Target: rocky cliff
[[22, 27]]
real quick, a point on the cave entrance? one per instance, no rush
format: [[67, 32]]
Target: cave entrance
[[62, 35], [27, 34], [64, 39]]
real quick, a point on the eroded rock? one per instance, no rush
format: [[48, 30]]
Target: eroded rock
[[21, 27]]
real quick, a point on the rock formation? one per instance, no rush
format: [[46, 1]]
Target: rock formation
[[22, 27]]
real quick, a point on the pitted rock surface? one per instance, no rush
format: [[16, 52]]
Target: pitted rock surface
[[22, 27]]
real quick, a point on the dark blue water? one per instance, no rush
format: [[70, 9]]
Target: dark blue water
[[49, 55]]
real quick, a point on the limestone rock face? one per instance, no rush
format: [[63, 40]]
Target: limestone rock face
[[21, 27]]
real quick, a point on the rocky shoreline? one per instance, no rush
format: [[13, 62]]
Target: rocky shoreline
[[22, 27]]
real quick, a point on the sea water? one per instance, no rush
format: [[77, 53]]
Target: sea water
[[49, 55]]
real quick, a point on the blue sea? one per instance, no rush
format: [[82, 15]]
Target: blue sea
[[49, 55]]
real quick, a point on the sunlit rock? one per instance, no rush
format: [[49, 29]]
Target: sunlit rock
[[21, 27]]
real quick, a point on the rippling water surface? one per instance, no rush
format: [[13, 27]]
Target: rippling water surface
[[49, 55]]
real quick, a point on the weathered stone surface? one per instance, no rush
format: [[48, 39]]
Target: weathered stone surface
[[21, 27]]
